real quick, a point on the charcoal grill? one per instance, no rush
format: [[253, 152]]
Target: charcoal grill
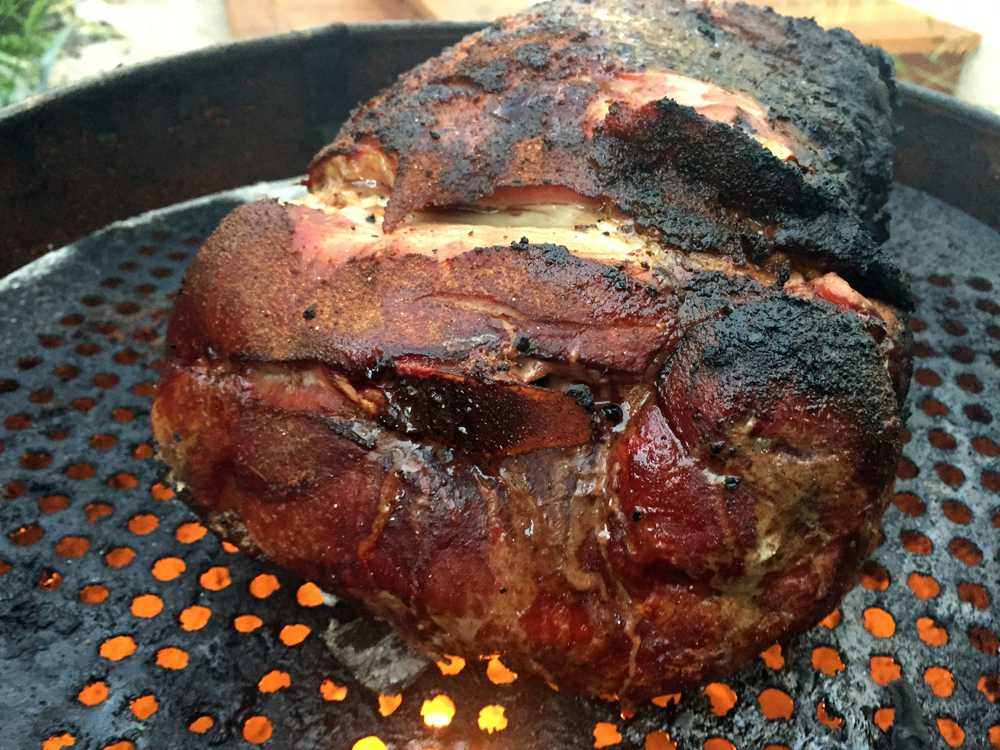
[[124, 625]]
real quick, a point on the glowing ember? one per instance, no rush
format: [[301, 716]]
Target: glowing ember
[[438, 711], [369, 743], [387, 704], [451, 665], [332, 692], [665, 700], [606, 734], [491, 719], [498, 673]]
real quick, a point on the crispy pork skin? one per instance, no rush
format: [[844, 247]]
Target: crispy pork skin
[[582, 349]]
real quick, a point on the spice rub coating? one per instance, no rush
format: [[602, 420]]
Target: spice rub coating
[[581, 350], [661, 107]]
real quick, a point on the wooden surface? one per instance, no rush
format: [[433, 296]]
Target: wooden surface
[[253, 18], [895, 28]]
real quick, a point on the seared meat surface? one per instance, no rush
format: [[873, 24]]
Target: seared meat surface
[[582, 349]]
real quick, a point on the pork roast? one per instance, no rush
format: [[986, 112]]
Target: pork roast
[[582, 350]]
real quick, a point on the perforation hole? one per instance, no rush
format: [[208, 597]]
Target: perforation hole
[[917, 543], [831, 620], [931, 633], [36, 461], [293, 635], [80, 472], [168, 568], [776, 704], [966, 551], [909, 504], [873, 576], [962, 354], [41, 396], [957, 512], [95, 593], [879, 623], [72, 546], [605, 734], [989, 685], [984, 640], [83, 405], [978, 413], [969, 383], [118, 648], [172, 658], [974, 594], [147, 606], [274, 681], [53, 503], [950, 475], [50, 580], [194, 618], [827, 660], [387, 705], [927, 378], [941, 440], [92, 694], [952, 732], [201, 725], [26, 536], [119, 557], [144, 707], [907, 469], [498, 673], [122, 415], [143, 524], [773, 658], [883, 718], [264, 585], [991, 481], [215, 578], [884, 669], [28, 363], [18, 422], [103, 442], [332, 692], [247, 623], [824, 717]]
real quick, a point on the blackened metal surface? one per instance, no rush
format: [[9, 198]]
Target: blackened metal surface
[[80, 333], [950, 150]]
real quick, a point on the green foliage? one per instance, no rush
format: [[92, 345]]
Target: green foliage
[[24, 38]]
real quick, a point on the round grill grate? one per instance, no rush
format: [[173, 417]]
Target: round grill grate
[[123, 624]]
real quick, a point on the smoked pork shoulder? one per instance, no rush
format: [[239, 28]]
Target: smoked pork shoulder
[[583, 348]]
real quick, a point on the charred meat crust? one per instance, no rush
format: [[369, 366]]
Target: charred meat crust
[[509, 107], [628, 459], [699, 474]]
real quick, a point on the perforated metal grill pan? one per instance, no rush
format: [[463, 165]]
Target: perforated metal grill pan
[[124, 625]]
